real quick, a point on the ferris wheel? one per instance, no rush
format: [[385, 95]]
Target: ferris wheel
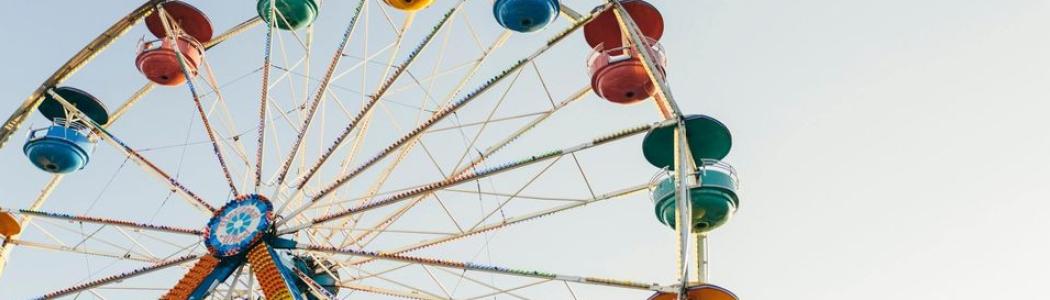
[[364, 142]]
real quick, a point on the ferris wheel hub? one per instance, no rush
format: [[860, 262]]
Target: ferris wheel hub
[[239, 225]]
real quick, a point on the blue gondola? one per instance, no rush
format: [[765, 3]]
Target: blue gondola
[[526, 15], [61, 148], [67, 144]]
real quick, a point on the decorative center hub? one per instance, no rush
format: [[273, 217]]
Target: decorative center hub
[[239, 225]]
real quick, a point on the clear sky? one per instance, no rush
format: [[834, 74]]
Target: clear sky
[[887, 149]]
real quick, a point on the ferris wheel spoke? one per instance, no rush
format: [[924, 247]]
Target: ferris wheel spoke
[[117, 278], [180, 248], [195, 201], [233, 142], [500, 291], [349, 283], [486, 122], [360, 199], [579, 94], [435, 74], [413, 289], [478, 175], [441, 114], [80, 250], [388, 292], [135, 241], [387, 221], [119, 223], [366, 275], [519, 196], [499, 208], [476, 65], [463, 275], [403, 152], [380, 181], [135, 97], [285, 76], [171, 30], [512, 221], [376, 186], [550, 98], [321, 91], [233, 31], [416, 232], [484, 268], [373, 99], [84, 238], [437, 282], [261, 141], [371, 59], [125, 288]]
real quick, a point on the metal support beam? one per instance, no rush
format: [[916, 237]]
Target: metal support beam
[[117, 278], [482, 268], [684, 165], [701, 258], [570, 13]]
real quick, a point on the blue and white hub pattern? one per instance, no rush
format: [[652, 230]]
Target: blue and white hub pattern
[[239, 225]]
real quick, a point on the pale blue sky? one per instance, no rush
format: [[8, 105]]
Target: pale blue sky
[[887, 149]]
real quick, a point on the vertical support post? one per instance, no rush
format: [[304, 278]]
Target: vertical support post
[[701, 258], [684, 165], [683, 204]]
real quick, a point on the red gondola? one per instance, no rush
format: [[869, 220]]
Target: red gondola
[[619, 76], [186, 28]]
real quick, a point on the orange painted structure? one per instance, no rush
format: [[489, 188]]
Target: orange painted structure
[[193, 278], [9, 225]]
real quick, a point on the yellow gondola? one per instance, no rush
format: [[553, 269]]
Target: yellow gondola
[[409, 5]]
